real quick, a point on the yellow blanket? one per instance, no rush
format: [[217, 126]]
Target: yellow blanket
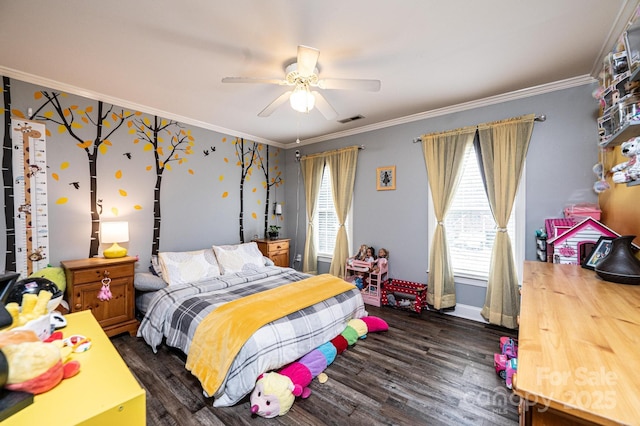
[[223, 332]]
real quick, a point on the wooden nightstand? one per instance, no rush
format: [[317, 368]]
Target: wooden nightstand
[[84, 281], [276, 250]]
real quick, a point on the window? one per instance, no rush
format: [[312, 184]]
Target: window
[[326, 221], [471, 229]]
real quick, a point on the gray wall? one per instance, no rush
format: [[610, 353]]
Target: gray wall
[[561, 155]]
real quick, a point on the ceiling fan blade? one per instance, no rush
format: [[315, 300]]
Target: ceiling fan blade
[[349, 84], [255, 80], [307, 60], [324, 107], [275, 104]]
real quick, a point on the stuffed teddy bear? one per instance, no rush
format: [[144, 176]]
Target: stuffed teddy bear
[[275, 393], [629, 170]]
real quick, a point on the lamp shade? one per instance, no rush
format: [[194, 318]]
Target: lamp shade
[[278, 209], [302, 100], [114, 232]]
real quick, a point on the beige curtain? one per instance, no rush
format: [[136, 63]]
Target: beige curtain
[[312, 167], [503, 148], [443, 156], [342, 164]]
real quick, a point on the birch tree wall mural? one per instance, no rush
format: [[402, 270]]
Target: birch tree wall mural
[[180, 143], [7, 178], [246, 152], [106, 120], [269, 181]]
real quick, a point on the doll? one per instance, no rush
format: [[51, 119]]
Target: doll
[[370, 257], [360, 255], [383, 256]]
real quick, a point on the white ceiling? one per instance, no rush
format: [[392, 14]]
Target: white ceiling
[[168, 57]]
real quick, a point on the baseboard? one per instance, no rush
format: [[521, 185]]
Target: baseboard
[[468, 312]]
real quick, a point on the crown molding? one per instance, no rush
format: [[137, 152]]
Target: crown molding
[[68, 88], [465, 106]]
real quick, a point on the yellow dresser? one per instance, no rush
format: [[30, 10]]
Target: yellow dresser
[[104, 392]]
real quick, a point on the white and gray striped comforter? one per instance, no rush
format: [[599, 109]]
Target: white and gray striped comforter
[[175, 312]]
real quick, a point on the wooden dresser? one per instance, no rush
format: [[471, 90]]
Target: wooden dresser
[[276, 250], [578, 353], [84, 281]]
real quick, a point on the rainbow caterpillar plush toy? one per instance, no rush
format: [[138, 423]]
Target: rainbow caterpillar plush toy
[[275, 392]]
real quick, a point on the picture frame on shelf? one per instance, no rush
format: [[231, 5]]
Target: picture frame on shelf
[[386, 178], [600, 251]]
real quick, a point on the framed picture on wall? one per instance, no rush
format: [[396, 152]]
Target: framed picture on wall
[[386, 178], [599, 252]]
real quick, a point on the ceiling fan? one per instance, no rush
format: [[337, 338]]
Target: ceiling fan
[[302, 76]]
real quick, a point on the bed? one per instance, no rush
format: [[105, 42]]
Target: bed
[[174, 313]]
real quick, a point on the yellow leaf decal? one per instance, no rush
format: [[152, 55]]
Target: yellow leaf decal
[[132, 131], [66, 112], [122, 192], [254, 215], [160, 151], [226, 160], [167, 166], [114, 117], [136, 140], [191, 172], [61, 128], [48, 132], [137, 207], [148, 168], [163, 123], [146, 121], [254, 189], [55, 176], [89, 109], [118, 174], [105, 123], [74, 106], [225, 194], [64, 165], [48, 114], [62, 200], [76, 125], [37, 95], [148, 146], [129, 124], [221, 178], [224, 139], [107, 142], [84, 120], [114, 210], [17, 113], [103, 149], [160, 140], [85, 144]]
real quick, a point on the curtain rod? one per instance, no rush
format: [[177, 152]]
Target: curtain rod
[[540, 118], [298, 157]]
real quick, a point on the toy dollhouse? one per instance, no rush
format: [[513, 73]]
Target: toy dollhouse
[[576, 242], [370, 280]]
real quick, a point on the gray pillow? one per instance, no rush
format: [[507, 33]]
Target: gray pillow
[[146, 281]]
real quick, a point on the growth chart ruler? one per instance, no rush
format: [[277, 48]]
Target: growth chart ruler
[[30, 195]]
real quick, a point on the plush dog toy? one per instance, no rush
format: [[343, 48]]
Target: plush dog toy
[[275, 393], [629, 170]]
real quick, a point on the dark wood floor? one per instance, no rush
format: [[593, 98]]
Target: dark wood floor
[[427, 369]]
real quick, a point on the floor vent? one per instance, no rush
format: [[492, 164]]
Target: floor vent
[[350, 119]]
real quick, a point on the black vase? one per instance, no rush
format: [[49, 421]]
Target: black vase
[[620, 265]]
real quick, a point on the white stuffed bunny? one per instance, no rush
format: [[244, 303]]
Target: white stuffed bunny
[[629, 170]]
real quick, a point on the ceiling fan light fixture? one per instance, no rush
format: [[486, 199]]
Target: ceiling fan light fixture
[[302, 100]]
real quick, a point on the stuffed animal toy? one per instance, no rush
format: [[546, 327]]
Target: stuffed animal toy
[[35, 366], [275, 393], [629, 170]]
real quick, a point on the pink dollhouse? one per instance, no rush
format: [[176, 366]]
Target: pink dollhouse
[[575, 243]]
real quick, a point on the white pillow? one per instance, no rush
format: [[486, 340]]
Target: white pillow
[[188, 266], [233, 258]]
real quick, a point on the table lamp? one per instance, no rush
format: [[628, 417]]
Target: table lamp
[[114, 232]]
